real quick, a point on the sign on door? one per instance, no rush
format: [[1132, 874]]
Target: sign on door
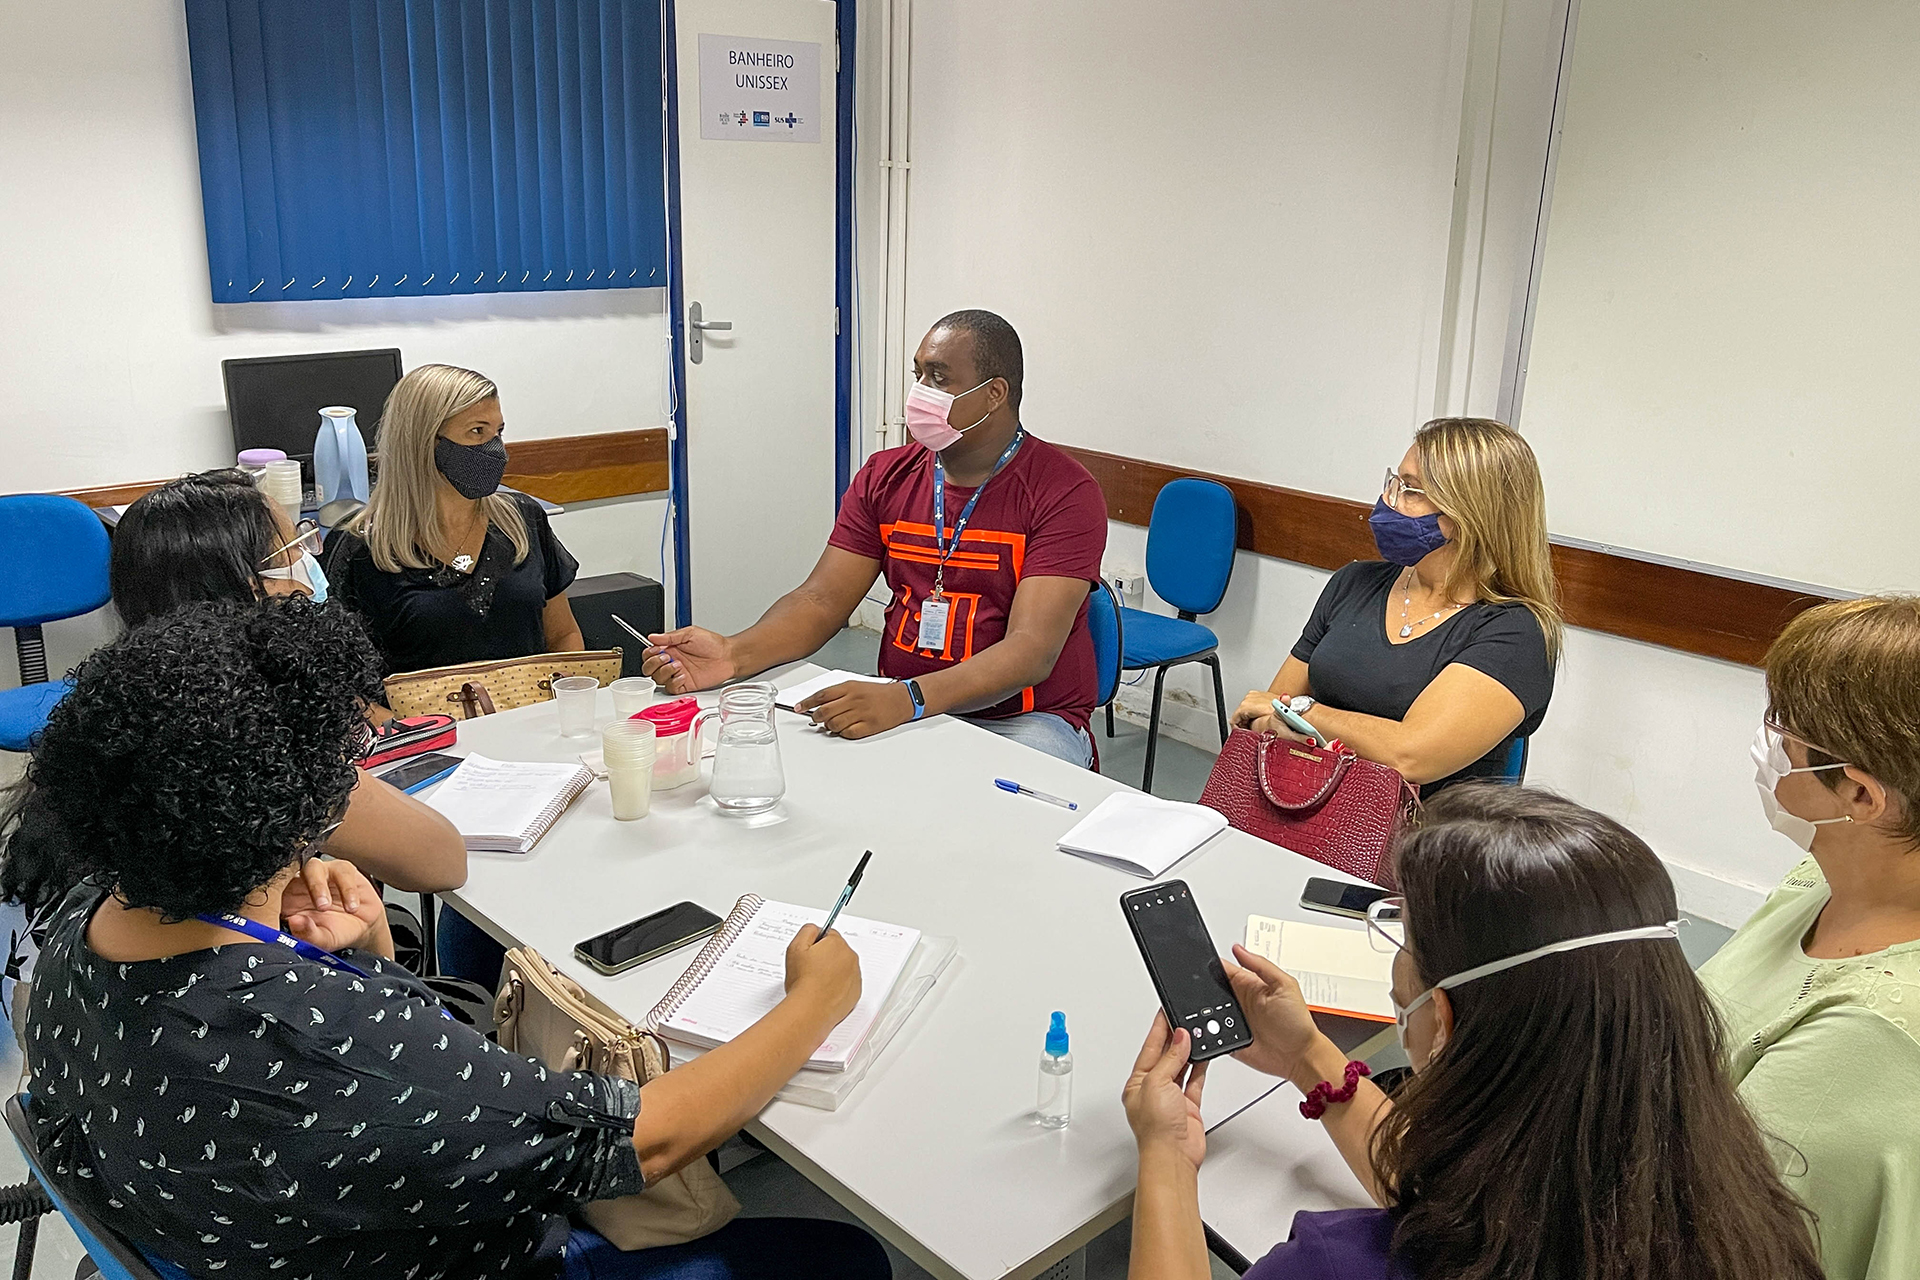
[[755, 90]]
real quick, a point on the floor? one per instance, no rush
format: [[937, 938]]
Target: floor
[[765, 1185]]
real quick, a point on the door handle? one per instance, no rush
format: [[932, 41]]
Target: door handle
[[697, 328]]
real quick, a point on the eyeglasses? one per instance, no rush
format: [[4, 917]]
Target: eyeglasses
[[1393, 488], [306, 537], [1386, 924]]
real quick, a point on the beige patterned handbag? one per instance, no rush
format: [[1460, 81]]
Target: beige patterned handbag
[[544, 1014], [470, 689]]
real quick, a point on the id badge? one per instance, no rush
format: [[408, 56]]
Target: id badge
[[933, 622]]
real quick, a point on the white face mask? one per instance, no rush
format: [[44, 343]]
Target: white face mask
[[1401, 1015], [1770, 764]]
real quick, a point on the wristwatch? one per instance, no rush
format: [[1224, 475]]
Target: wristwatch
[[1301, 705], [919, 700]]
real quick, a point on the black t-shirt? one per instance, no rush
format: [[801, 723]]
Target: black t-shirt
[[1351, 665], [438, 617], [245, 1113]]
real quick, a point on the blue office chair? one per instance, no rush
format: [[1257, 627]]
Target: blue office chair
[[53, 564], [1515, 773], [1103, 620], [113, 1258], [1190, 540]]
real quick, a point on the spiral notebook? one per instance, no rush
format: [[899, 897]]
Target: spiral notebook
[[505, 806], [740, 975]]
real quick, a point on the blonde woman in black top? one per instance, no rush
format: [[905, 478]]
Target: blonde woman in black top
[[444, 567], [1435, 658]]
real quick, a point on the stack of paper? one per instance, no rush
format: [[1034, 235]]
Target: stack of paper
[[793, 695], [1338, 970], [1142, 834]]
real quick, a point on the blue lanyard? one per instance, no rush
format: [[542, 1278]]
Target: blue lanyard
[[261, 933], [966, 512]]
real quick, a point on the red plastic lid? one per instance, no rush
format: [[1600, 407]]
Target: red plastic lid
[[670, 718]]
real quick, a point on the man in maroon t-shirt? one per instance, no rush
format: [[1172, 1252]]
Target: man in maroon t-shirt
[[988, 616]]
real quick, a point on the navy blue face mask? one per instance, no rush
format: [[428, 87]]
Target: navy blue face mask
[[1404, 540]]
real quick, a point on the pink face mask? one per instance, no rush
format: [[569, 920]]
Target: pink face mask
[[927, 409]]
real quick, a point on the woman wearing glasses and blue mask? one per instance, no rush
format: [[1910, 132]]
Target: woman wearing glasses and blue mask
[[1820, 989], [1436, 658], [1568, 1117]]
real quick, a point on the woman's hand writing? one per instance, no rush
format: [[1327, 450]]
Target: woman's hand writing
[[823, 969]]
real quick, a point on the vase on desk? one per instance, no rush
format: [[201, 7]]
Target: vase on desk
[[339, 457]]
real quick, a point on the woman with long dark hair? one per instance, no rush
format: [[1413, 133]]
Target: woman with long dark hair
[[1568, 1118]]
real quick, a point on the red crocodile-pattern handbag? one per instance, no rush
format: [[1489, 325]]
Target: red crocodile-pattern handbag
[[1328, 805]]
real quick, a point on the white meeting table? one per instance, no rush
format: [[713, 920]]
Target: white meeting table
[[936, 1150]]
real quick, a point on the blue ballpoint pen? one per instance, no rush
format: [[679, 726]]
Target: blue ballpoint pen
[[1014, 788], [846, 894]]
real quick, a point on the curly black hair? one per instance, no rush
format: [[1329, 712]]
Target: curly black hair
[[196, 756]]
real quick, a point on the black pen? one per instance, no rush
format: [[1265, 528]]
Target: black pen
[[846, 894]]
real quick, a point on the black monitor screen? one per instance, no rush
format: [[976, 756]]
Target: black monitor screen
[[275, 401]]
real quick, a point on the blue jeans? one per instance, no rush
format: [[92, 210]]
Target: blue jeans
[[1043, 731], [744, 1249]]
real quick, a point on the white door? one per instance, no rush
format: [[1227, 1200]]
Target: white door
[[757, 254]]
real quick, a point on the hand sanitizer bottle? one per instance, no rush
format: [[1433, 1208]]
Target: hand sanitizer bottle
[[1055, 1106]]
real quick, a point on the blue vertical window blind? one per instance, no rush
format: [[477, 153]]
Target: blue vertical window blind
[[395, 148]]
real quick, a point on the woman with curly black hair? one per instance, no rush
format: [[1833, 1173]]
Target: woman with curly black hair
[[242, 1078]]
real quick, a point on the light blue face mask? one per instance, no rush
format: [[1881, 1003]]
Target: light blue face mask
[[305, 572]]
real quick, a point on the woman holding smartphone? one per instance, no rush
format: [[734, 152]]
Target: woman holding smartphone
[[1435, 658], [1568, 1117]]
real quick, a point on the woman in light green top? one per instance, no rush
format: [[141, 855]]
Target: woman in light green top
[[1821, 988]]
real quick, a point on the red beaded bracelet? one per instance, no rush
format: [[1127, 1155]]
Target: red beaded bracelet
[[1323, 1095]]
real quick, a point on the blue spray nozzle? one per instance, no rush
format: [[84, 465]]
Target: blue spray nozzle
[[1057, 1035]]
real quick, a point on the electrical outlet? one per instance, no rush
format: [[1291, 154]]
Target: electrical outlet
[[1130, 586]]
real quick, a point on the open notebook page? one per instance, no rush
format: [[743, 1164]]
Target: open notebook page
[[499, 804], [750, 978], [793, 695], [1338, 970]]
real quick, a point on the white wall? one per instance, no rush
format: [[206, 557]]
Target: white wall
[[1731, 286], [110, 349]]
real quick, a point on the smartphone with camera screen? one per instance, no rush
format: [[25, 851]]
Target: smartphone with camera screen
[[641, 940], [1186, 968]]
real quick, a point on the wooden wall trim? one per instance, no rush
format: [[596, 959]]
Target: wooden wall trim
[[1685, 609], [562, 469]]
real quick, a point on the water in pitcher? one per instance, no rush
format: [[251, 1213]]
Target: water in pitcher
[[747, 774]]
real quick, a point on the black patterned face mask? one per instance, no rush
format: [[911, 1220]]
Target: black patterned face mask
[[474, 470]]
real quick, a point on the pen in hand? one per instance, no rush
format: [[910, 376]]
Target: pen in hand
[[846, 894]]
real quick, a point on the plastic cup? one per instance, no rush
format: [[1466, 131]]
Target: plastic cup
[[631, 694], [626, 748], [573, 697]]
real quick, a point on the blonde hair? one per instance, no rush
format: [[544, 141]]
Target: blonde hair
[[1484, 477], [1845, 678], [401, 522]]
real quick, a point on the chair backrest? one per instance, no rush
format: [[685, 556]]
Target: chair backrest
[[53, 559], [116, 1259], [1515, 771], [1103, 620], [1190, 544]]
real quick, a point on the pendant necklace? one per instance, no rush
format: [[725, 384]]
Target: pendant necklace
[[1406, 602], [463, 563]]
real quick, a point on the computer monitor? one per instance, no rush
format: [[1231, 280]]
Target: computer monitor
[[275, 401]]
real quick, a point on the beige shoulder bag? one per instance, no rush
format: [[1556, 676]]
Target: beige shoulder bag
[[543, 1014], [470, 689]]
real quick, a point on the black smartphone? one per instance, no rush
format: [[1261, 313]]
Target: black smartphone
[[649, 936], [1186, 968], [1338, 898], [415, 772]]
